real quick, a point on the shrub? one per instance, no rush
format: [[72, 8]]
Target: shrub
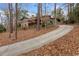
[[43, 24], [18, 25], [2, 28], [51, 21]]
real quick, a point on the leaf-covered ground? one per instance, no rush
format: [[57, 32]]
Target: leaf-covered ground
[[24, 35], [67, 45]]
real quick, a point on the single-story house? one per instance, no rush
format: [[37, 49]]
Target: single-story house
[[31, 21]]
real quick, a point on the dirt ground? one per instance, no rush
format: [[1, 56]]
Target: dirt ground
[[67, 45], [23, 35]]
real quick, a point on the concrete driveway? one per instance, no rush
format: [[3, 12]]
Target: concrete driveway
[[37, 42]]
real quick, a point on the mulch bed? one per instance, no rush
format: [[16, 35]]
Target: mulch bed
[[24, 35], [67, 45]]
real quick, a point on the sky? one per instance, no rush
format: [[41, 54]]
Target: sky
[[32, 7]]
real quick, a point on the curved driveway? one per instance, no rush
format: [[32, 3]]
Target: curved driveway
[[37, 42]]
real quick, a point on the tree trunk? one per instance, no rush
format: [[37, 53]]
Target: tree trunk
[[68, 11], [39, 15], [45, 15], [55, 13], [10, 18], [16, 18]]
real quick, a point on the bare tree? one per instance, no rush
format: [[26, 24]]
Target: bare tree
[[45, 9], [10, 18], [39, 15], [1, 19], [70, 12], [55, 12], [7, 19], [16, 7], [45, 15], [68, 8]]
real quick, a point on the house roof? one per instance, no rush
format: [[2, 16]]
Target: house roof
[[34, 18]]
